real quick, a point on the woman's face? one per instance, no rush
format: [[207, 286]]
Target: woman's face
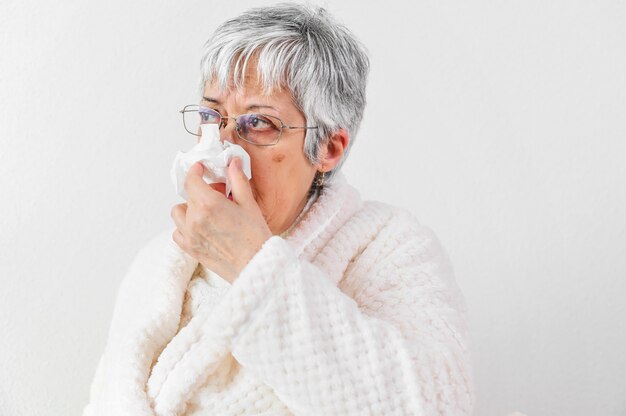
[[281, 174]]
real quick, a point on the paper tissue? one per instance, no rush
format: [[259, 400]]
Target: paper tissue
[[214, 155]]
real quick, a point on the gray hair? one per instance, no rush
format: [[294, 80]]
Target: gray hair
[[303, 49]]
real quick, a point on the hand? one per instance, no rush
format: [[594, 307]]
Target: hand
[[221, 234]]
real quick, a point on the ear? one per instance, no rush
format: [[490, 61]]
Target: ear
[[332, 151]]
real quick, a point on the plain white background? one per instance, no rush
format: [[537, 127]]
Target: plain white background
[[501, 125]]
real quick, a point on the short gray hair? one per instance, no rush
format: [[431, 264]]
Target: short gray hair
[[304, 49]]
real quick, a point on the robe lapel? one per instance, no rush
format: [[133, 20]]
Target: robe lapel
[[147, 318]]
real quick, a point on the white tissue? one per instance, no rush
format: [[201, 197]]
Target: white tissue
[[214, 155]]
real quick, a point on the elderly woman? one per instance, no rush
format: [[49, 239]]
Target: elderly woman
[[291, 295]]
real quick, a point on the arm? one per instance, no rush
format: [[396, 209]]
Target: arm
[[398, 347]]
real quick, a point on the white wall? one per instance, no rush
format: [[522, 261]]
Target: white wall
[[501, 125]]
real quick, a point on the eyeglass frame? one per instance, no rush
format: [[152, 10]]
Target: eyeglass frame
[[237, 128]]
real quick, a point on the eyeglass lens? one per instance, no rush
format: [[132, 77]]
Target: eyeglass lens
[[256, 128]]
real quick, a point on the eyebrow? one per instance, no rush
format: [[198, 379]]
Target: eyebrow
[[250, 107]]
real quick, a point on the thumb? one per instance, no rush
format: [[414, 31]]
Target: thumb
[[196, 168], [239, 183], [193, 181]]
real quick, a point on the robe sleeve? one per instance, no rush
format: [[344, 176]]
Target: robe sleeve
[[397, 345]]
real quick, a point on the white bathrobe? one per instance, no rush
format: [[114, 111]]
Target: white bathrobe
[[354, 312]]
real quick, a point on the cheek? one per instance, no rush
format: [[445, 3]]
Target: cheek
[[271, 168], [277, 158], [274, 173], [267, 168], [276, 168], [271, 163]]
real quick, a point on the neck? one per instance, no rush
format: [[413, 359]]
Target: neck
[[293, 218]]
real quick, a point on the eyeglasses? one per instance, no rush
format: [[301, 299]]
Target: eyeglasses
[[259, 129]]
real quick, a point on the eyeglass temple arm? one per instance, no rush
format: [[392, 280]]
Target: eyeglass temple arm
[[187, 110]]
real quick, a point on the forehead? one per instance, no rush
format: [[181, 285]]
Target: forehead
[[246, 84], [250, 92], [250, 87], [247, 95]]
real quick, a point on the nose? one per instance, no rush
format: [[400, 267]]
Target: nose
[[228, 132]]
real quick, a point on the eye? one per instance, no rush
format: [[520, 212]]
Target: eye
[[260, 122], [209, 116]]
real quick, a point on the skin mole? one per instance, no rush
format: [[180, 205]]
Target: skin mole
[[278, 158]]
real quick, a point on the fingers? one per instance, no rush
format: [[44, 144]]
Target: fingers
[[179, 214], [239, 183], [219, 187], [178, 238], [197, 189]]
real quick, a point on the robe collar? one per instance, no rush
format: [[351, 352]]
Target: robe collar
[[148, 308]]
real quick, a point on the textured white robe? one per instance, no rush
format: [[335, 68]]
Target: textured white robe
[[355, 312]]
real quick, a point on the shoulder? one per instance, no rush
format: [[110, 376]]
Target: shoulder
[[157, 244], [397, 240], [158, 261], [159, 251], [392, 224], [403, 263]]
